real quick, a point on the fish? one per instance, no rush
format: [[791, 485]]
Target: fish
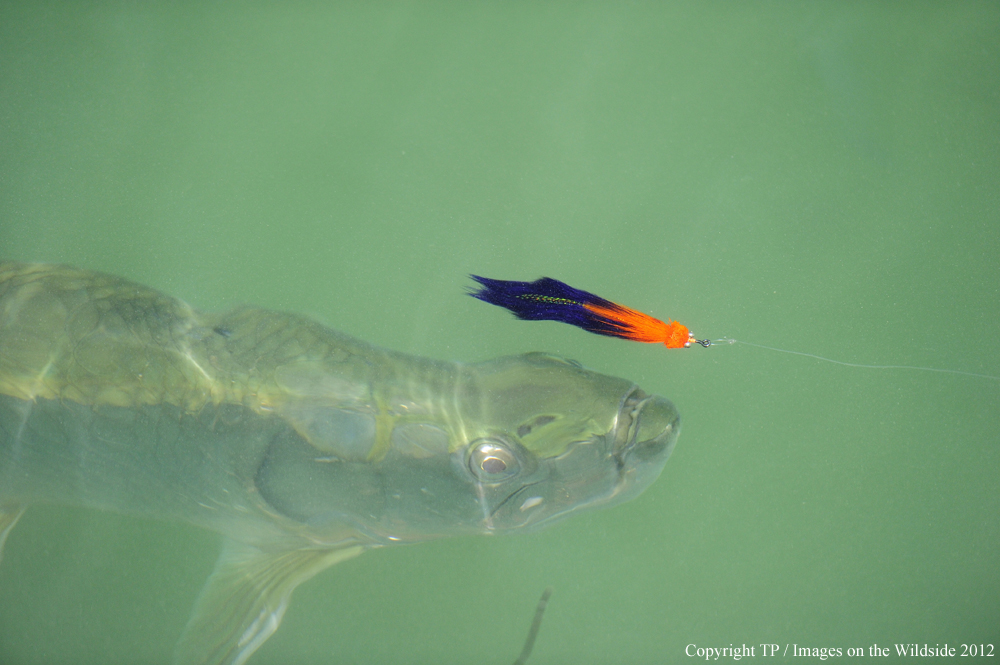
[[301, 446], [548, 299]]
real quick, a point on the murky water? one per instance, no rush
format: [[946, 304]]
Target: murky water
[[817, 178]]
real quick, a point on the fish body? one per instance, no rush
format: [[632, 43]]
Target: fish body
[[302, 446]]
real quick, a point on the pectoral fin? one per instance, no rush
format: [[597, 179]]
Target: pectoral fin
[[9, 515], [245, 598]]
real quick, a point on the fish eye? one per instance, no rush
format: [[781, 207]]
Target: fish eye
[[492, 461]]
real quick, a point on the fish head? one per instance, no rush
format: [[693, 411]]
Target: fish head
[[512, 444], [545, 438]]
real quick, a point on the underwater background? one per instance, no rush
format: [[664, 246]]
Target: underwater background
[[821, 177]]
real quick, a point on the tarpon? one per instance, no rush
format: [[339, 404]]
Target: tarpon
[[302, 446]]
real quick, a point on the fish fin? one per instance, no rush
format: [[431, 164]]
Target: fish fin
[[246, 596], [9, 515]]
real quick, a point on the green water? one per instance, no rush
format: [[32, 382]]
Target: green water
[[823, 177]]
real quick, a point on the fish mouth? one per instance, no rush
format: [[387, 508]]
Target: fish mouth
[[646, 428], [643, 439]]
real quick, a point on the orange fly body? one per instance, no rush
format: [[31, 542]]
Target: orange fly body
[[639, 327]]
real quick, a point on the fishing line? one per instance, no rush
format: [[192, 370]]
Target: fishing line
[[729, 340], [548, 299]]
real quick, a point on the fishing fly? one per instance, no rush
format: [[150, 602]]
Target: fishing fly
[[548, 299]]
